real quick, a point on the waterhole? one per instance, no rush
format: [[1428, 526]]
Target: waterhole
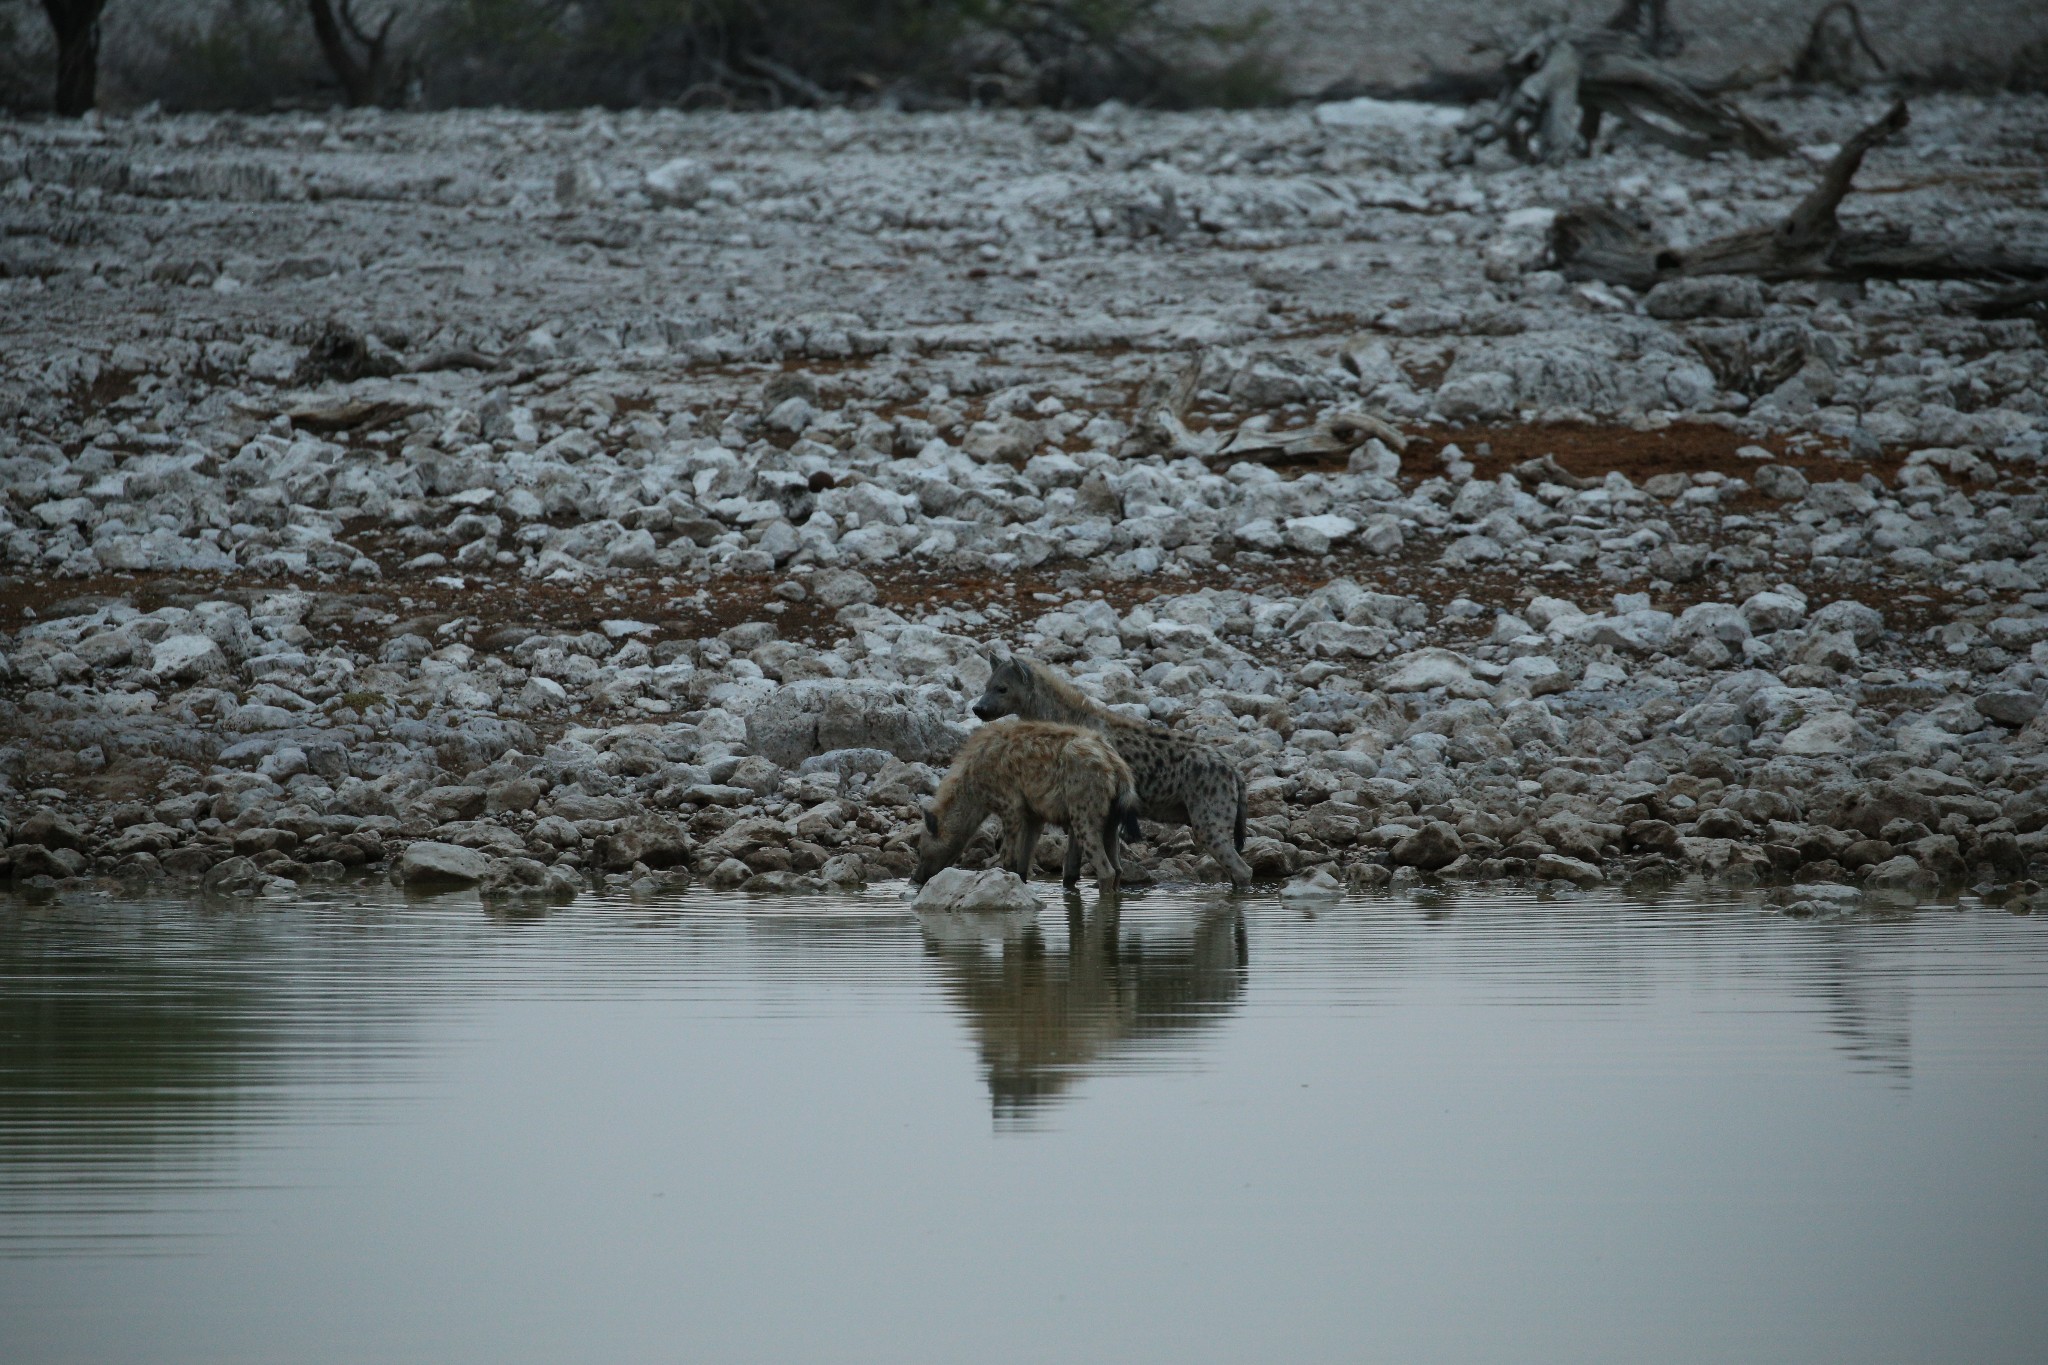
[[719, 1128]]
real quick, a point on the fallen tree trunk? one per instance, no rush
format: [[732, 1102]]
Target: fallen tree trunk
[[1594, 242], [2028, 301]]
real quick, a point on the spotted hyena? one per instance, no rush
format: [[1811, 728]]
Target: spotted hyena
[[1180, 781], [1031, 774]]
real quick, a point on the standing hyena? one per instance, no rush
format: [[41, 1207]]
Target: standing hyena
[[1180, 781], [1030, 773]]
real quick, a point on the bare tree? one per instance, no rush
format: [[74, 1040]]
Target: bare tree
[[77, 26], [341, 36], [1831, 47]]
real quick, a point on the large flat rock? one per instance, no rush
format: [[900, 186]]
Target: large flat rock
[[820, 715]]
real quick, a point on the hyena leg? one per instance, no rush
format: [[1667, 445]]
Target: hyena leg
[[1023, 841], [1090, 832], [1212, 817], [1070, 873], [1112, 836]]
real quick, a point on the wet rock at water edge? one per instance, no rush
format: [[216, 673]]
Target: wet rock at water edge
[[776, 883], [235, 877], [27, 862], [1558, 867], [1819, 898], [47, 829], [527, 879], [993, 891], [647, 841], [1316, 888], [1433, 846], [845, 870], [427, 864]]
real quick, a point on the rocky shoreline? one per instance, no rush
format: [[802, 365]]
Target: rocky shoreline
[[558, 503]]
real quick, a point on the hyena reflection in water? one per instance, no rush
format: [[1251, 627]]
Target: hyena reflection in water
[[1043, 1016]]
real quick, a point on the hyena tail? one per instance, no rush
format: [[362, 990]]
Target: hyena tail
[[1238, 833], [1125, 813]]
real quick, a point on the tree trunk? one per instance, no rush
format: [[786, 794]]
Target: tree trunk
[[1559, 94], [355, 80], [1649, 23], [76, 24]]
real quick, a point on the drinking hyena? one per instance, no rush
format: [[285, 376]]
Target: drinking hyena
[[1180, 781], [1031, 774]]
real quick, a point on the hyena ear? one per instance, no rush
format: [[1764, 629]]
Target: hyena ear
[[998, 654]]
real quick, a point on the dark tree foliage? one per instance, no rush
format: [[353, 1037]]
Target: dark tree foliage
[[629, 52], [265, 54], [771, 53], [77, 26]]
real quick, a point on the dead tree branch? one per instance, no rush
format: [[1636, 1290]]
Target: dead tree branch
[[1594, 242], [1565, 80], [803, 90]]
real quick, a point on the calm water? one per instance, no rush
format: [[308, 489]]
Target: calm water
[[719, 1129]]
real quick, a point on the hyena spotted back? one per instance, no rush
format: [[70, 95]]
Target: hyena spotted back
[[1031, 774], [1180, 781]]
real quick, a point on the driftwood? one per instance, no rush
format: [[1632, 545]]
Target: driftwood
[[1335, 433], [1564, 81], [1160, 428], [2027, 301], [458, 358], [1594, 242], [351, 415], [1546, 469]]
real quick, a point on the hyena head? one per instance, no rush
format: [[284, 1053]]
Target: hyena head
[[933, 857], [1009, 691]]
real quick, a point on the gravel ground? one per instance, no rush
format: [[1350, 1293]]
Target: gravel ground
[[696, 462]]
